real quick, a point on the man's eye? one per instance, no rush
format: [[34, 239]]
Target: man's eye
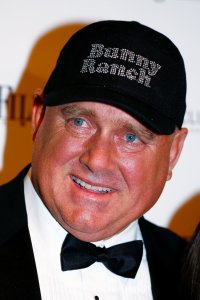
[[130, 137], [79, 122]]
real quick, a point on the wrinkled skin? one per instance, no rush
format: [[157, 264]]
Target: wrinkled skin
[[104, 147]]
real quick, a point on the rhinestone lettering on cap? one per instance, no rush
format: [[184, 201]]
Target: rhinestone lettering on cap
[[142, 69]]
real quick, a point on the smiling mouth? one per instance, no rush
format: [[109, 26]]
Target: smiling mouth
[[89, 187]]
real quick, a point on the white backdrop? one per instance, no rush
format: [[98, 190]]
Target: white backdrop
[[24, 22]]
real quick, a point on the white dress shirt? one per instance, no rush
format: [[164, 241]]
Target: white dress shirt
[[47, 237]]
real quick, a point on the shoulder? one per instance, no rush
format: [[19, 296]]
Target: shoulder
[[157, 236]]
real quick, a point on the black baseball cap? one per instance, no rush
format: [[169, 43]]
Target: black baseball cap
[[124, 64]]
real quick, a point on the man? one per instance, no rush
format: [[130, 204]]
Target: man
[[107, 133]]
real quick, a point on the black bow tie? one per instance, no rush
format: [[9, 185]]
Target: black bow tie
[[123, 259]]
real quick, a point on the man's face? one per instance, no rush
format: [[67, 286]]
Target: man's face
[[97, 168]]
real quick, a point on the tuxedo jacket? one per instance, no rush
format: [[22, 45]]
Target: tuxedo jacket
[[18, 274]]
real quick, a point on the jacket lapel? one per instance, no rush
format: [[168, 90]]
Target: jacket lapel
[[18, 275], [164, 251]]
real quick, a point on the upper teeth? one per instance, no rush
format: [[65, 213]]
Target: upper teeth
[[90, 187]]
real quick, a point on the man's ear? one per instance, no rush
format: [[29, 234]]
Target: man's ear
[[37, 112], [176, 149]]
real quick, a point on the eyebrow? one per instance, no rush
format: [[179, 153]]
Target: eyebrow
[[73, 109]]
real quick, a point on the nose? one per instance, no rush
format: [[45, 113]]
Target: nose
[[98, 154]]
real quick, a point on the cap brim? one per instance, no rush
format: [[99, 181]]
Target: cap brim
[[138, 108]]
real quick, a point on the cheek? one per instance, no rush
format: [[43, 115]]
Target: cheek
[[59, 149], [134, 170], [145, 177], [64, 150], [53, 158]]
